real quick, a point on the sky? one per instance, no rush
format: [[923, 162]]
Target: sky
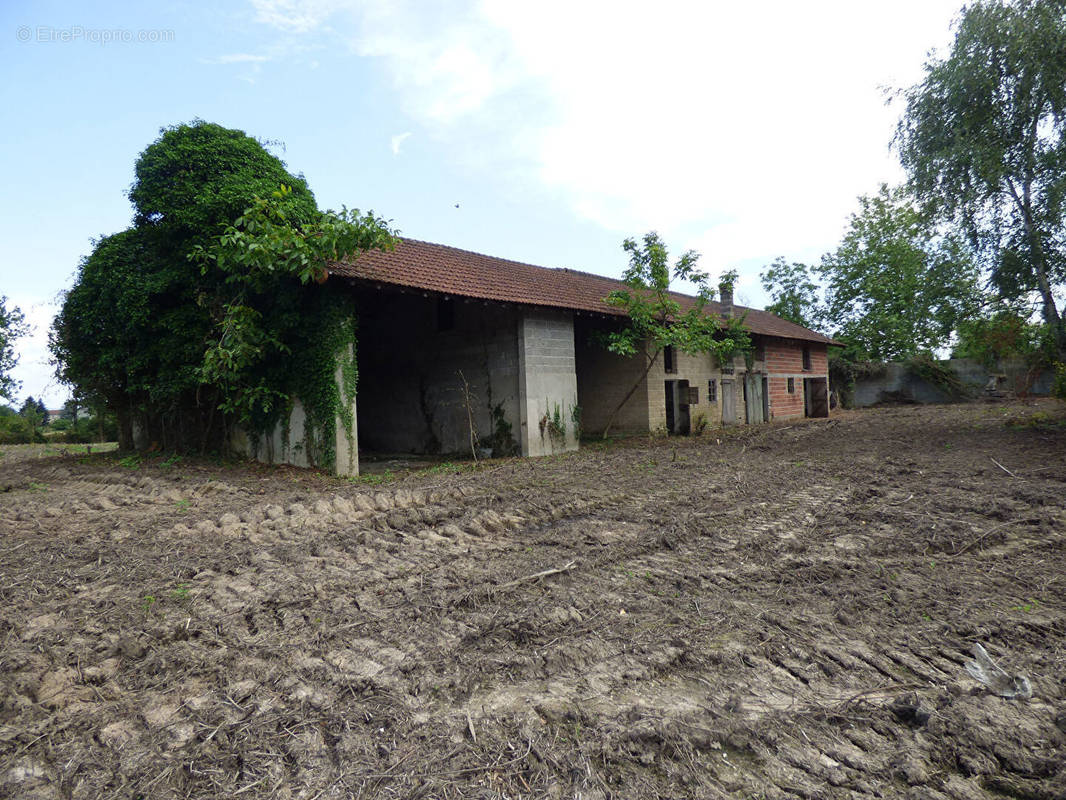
[[543, 132]]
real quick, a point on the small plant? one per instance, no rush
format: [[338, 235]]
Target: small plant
[[699, 424], [444, 468], [181, 592], [172, 461], [1032, 605], [183, 505], [130, 462], [502, 442], [38, 487], [553, 426], [149, 601], [373, 478]]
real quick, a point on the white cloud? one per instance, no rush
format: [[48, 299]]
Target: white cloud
[[398, 140], [744, 130], [237, 58], [297, 16]]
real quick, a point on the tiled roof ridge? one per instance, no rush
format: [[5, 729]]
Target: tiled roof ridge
[[378, 266]]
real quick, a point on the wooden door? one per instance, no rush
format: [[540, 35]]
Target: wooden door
[[729, 403]]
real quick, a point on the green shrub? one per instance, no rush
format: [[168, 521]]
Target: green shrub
[[88, 430], [18, 430], [1058, 385]]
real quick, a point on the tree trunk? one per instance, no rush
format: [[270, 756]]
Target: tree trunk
[[1036, 248], [125, 430], [640, 380]]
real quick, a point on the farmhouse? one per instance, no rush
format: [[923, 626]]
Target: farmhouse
[[452, 341]]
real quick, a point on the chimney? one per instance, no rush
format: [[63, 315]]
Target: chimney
[[725, 289]]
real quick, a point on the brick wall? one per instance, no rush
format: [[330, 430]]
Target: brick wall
[[784, 360]]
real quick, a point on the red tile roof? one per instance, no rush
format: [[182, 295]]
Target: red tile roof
[[451, 271]]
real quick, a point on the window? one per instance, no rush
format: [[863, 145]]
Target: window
[[712, 391], [445, 314], [791, 385], [806, 357], [694, 395], [669, 362]]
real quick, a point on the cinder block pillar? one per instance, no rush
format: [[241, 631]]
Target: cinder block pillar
[[547, 383]]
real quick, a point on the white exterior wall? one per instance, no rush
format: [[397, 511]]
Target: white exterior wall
[[547, 380]]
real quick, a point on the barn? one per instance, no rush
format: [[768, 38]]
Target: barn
[[458, 349]]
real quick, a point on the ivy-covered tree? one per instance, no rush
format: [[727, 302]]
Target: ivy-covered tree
[[895, 286], [655, 318], [793, 291], [204, 312], [983, 139], [266, 353], [12, 327]]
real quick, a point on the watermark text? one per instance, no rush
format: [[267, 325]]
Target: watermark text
[[51, 34]]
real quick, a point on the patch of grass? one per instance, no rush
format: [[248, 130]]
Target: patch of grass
[[1038, 420], [130, 462], [374, 478], [1029, 607]]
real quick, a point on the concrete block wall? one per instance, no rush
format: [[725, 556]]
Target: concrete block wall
[[547, 381], [896, 382]]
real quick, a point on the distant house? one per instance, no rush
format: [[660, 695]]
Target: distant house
[[448, 337]]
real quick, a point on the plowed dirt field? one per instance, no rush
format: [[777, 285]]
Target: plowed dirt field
[[782, 611]]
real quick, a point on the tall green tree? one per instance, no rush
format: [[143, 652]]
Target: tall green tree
[[895, 287], [12, 327], [983, 139], [655, 317], [794, 293]]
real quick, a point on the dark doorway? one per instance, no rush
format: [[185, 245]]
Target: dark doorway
[[815, 397], [678, 420], [670, 406]]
